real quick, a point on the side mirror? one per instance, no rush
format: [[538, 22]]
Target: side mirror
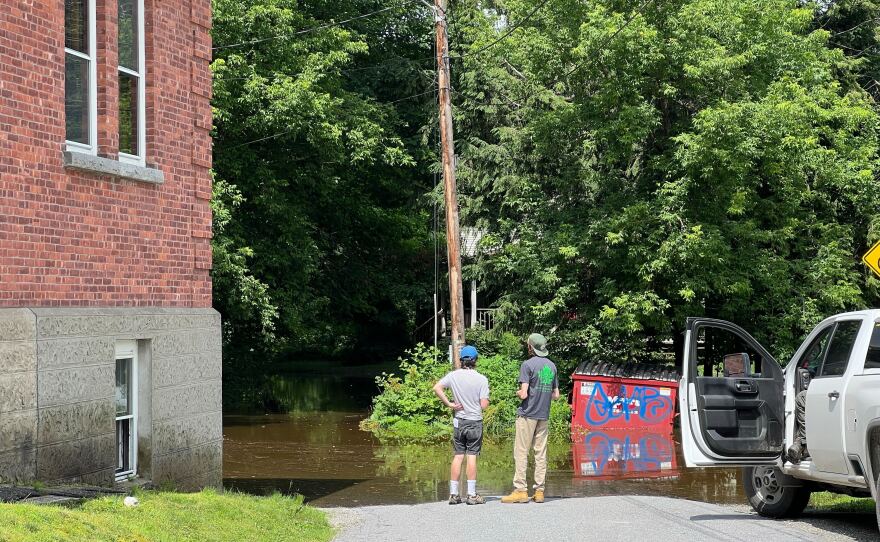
[[737, 365]]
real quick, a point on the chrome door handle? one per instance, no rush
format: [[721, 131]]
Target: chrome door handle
[[833, 394]]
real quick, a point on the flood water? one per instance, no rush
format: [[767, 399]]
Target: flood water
[[317, 450]]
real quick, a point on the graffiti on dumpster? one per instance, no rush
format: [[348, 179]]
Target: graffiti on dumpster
[[603, 454], [645, 403]]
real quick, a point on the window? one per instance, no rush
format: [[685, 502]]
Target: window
[[132, 132], [126, 409], [840, 348], [717, 348], [80, 102], [812, 358], [872, 361]]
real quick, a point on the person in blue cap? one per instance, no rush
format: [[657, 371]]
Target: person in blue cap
[[470, 390]]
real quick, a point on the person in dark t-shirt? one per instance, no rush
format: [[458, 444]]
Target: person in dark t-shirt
[[538, 386]]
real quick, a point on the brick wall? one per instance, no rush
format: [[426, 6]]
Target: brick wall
[[72, 238]]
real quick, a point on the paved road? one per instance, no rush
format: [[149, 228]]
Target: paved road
[[623, 518]]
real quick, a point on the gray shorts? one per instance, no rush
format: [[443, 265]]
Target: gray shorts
[[467, 438]]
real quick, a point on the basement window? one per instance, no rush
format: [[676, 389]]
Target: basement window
[[126, 410]]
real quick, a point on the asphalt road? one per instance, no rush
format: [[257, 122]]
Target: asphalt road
[[617, 518]]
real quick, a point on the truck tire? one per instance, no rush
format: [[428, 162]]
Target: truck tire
[[877, 501], [769, 497]]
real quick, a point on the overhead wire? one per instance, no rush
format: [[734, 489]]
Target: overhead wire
[[639, 11], [285, 132], [589, 57], [511, 30], [310, 29]]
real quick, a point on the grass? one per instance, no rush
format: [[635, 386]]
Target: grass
[[161, 516], [832, 502]]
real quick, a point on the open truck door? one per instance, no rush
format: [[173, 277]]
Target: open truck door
[[730, 397]]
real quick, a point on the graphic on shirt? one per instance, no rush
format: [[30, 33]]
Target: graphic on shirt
[[545, 379]]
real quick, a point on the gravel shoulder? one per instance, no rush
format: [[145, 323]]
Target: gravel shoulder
[[622, 518]]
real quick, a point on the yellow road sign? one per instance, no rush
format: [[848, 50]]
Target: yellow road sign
[[872, 258]]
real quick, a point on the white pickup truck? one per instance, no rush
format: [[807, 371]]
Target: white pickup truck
[[738, 408]]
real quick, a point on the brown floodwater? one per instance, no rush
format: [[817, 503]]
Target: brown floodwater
[[319, 451]]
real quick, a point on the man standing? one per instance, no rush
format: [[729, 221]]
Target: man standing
[[471, 392], [538, 385]]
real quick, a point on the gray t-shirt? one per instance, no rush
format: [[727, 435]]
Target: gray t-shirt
[[540, 375], [468, 387]]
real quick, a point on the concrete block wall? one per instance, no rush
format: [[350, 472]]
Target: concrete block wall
[[57, 385], [18, 394]]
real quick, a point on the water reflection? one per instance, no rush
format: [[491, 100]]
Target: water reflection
[[621, 454], [327, 458]]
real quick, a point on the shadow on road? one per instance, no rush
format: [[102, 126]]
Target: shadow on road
[[856, 526], [860, 526]]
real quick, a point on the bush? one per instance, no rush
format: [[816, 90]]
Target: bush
[[407, 409]]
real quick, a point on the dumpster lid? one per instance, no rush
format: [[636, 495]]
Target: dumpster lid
[[637, 371]]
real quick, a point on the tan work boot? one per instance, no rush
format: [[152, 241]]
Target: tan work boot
[[517, 495], [539, 495]]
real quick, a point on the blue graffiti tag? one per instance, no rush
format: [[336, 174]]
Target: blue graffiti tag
[[650, 453], [645, 403]]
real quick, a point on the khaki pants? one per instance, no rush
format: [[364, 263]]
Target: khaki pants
[[530, 434]]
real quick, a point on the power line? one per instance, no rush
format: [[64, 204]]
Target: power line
[[589, 57], [639, 11], [285, 132], [510, 31], [306, 30]]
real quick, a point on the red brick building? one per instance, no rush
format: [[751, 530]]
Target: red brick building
[[109, 348]]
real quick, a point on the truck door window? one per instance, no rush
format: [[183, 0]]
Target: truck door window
[[815, 353], [872, 361], [715, 344], [840, 348]]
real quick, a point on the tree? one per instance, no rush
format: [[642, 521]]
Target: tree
[[637, 163], [319, 236]]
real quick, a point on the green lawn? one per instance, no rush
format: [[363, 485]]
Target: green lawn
[[826, 501], [160, 516]]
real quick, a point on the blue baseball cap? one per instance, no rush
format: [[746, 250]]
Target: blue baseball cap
[[468, 352]]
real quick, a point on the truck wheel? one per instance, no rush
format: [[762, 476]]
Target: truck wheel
[[877, 505], [769, 497]]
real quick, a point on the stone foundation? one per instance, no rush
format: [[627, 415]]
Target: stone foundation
[[57, 387]]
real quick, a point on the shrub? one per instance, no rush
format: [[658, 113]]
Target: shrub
[[406, 408]]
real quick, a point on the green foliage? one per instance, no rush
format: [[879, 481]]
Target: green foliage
[[167, 516], [407, 409], [633, 167], [318, 236]]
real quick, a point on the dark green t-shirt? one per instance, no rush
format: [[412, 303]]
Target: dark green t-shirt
[[540, 374]]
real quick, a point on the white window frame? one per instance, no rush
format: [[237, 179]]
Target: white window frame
[[92, 147], [140, 158], [128, 350]]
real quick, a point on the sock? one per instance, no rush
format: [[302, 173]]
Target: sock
[[472, 488], [453, 487]]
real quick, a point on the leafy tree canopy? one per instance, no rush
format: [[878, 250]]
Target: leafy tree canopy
[[635, 164], [319, 236]]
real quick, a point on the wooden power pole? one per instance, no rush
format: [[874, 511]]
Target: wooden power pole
[[453, 238]]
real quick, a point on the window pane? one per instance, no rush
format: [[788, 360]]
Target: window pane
[[716, 345], [841, 345], [123, 445], [128, 114], [812, 358], [128, 34], [76, 98], [76, 25], [872, 361], [123, 387]]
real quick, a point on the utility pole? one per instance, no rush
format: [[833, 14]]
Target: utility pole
[[453, 238]]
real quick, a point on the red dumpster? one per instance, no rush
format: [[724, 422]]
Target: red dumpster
[[623, 396]]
